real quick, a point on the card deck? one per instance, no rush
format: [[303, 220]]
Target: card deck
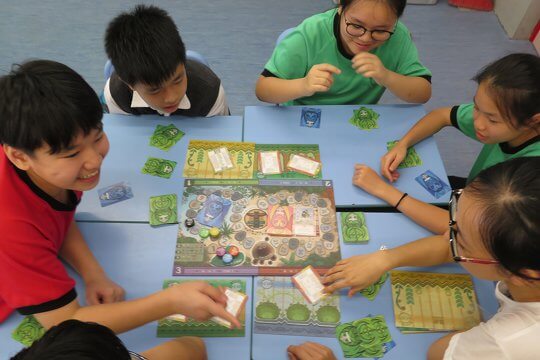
[[304, 165], [163, 209], [213, 211], [159, 167], [310, 285], [115, 193], [235, 303], [311, 117], [367, 337], [270, 162], [165, 137], [433, 184], [220, 159]]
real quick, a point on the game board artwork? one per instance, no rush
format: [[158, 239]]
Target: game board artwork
[[430, 302], [281, 309], [169, 327], [310, 151], [267, 227], [198, 165]]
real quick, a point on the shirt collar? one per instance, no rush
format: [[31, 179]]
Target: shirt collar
[[138, 102]]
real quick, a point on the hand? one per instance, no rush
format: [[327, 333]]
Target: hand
[[370, 66], [357, 272], [319, 78], [368, 180], [200, 301], [310, 351], [391, 160], [102, 290]]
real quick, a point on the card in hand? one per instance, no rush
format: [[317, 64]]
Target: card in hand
[[433, 184], [310, 285], [115, 193], [235, 304], [311, 117]]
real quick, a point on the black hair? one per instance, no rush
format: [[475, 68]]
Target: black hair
[[397, 6], [76, 340], [46, 102], [509, 195], [514, 85], [144, 46]]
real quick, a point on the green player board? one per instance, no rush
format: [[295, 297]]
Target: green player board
[[280, 308], [275, 227], [168, 327]]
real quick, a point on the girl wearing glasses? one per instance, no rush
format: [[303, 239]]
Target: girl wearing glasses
[[347, 55], [495, 235], [504, 116]]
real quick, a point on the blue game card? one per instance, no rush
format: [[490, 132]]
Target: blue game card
[[115, 193], [213, 211], [433, 184], [311, 117]]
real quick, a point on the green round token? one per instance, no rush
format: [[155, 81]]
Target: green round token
[[204, 233]]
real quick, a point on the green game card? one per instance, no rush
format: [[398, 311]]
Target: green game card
[[163, 209], [371, 291], [353, 228], [159, 167], [411, 159], [364, 338], [365, 119], [165, 137], [28, 331]]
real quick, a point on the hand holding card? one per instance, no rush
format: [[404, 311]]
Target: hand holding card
[[310, 285]]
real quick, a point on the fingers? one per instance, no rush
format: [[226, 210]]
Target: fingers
[[92, 298], [107, 296], [215, 294], [329, 68], [218, 310]]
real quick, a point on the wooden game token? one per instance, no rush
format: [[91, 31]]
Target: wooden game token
[[220, 251], [189, 223], [227, 258], [204, 233], [326, 228], [201, 198], [195, 205], [214, 232], [233, 250]]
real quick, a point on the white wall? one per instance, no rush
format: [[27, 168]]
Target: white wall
[[518, 17]]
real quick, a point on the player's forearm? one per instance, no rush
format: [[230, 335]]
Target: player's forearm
[[427, 126], [411, 89], [429, 251], [276, 90]]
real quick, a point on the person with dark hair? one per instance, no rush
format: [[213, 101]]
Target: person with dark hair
[[347, 55], [74, 339], [53, 146], [504, 116], [151, 73], [494, 234]]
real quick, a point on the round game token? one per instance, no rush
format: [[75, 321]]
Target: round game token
[[220, 251], [189, 223], [227, 258], [233, 250], [204, 233], [214, 232]]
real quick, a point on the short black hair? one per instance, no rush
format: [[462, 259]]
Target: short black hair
[[46, 102], [74, 339], [513, 82], [509, 196], [144, 46], [397, 6]]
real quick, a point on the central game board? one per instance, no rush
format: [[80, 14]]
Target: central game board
[[267, 227]]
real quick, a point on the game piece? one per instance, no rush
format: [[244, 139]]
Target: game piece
[[189, 223], [28, 331], [214, 232], [214, 210], [159, 167], [204, 233], [411, 159], [311, 117], [305, 222], [115, 193], [304, 165], [165, 137], [371, 291], [163, 209], [281, 309], [433, 302], [220, 159], [280, 220], [270, 162], [310, 285], [354, 228], [364, 118], [235, 303], [433, 184], [233, 250], [227, 258], [220, 251]]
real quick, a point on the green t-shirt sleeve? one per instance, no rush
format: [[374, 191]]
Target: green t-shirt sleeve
[[289, 59], [462, 118], [409, 64]]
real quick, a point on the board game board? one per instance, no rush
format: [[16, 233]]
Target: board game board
[[169, 327], [275, 227], [244, 156], [281, 309]]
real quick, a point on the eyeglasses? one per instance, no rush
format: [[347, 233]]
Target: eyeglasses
[[453, 238], [357, 30]]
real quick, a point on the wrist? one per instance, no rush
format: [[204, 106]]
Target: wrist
[[390, 194]]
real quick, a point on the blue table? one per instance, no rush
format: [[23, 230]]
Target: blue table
[[342, 145], [390, 230], [129, 137], [138, 258]]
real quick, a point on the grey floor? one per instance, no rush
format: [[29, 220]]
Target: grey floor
[[237, 37]]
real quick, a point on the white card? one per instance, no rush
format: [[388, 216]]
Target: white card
[[304, 221], [270, 162], [177, 317], [220, 159], [310, 285], [304, 165], [235, 302]]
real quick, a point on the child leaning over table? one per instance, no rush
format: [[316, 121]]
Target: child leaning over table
[[53, 146], [151, 73]]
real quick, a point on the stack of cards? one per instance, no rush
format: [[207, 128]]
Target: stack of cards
[[159, 167], [310, 285], [311, 117], [235, 304], [165, 137], [433, 184], [270, 162], [365, 338], [115, 193], [163, 209], [220, 159], [304, 165]]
